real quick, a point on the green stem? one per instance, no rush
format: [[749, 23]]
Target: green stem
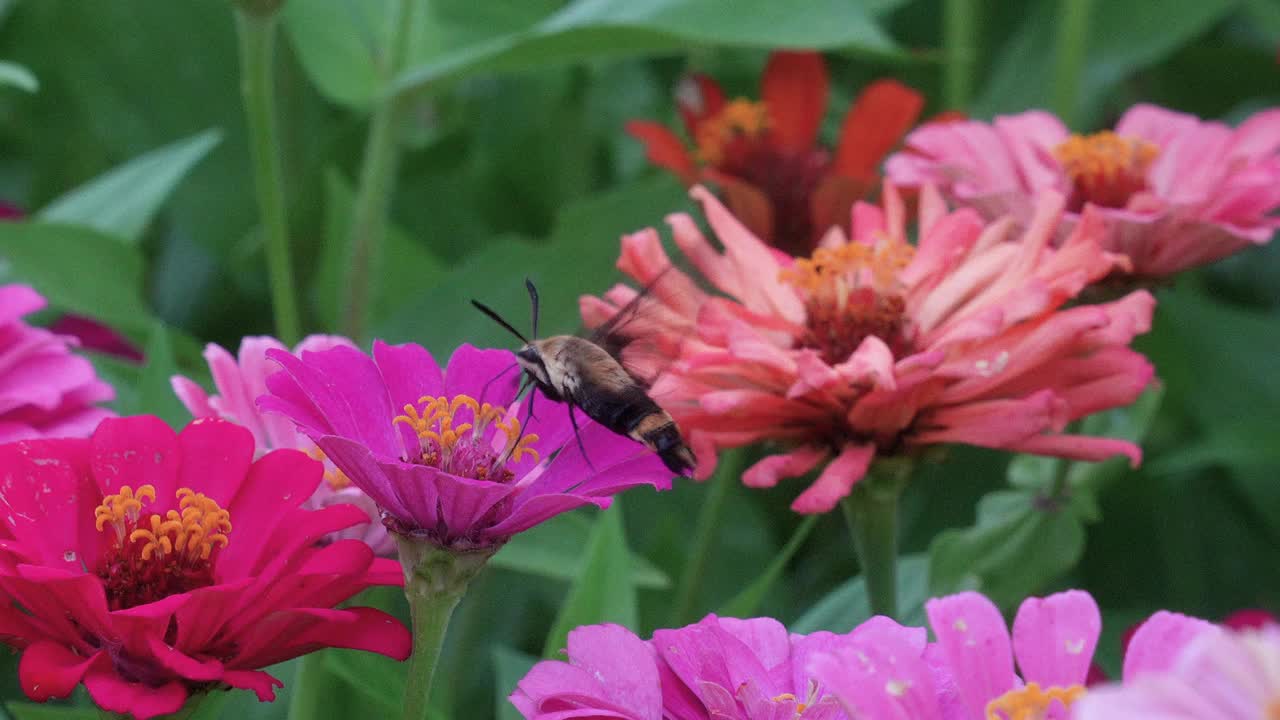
[[960, 47], [377, 180], [435, 580], [871, 511], [257, 44], [704, 535], [307, 696], [1071, 43]]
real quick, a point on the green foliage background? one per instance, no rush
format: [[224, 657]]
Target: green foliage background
[[132, 154]]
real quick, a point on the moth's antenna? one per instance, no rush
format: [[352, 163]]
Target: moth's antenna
[[498, 319], [533, 299]]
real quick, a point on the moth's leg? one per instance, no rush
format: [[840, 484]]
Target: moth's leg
[[578, 434], [485, 390]]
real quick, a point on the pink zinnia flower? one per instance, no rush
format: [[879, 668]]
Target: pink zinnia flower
[[445, 454], [152, 566], [240, 381], [968, 674], [45, 389], [1176, 191], [876, 347], [1181, 668], [718, 668], [765, 156]]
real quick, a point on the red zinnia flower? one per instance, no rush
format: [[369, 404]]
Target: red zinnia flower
[[764, 155], [152, 566]]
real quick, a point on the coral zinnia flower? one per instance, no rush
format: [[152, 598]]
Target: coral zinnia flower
[[718, 668], [969, 672], [1197, 671], [874, 347], [239, 382], [152, 566], [45, 389], [445, 455], [1177, 192], [764, 155]]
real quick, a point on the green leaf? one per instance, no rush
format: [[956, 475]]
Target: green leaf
[[844, 608], [77, 269], [509, 666], [14, 75], [746, 602], [123, 200], [1022, 540], [378, 678], [38, 711], [587, 29], [155, 394], [554, 549], [406, 268], [1123, 38], [578, 258], [598, 596]]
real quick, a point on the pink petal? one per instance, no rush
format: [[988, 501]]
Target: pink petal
[[279, 480], [136, 451], [622, 662], [49, 670], [192, 396], [768, 471], [1054, 638], [47, 498], [485, 375], [216, 454], [409, 372], [259, 683], [115, 694], [1158, 641], [975, 644], [836, 480], [879, 681]]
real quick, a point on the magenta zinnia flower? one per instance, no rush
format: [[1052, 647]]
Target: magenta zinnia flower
[[875, 347], [152, 566], [240, 381], [1193, 671], [968, 674], [45, 389], [445, 454], [1176, 191], [718, 668]]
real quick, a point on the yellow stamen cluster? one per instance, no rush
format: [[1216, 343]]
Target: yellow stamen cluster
[[790, 697], [436, 425], [1031, 702], [191, 531], [332, 475], [740, 118], [1106, 168], [835, 271]]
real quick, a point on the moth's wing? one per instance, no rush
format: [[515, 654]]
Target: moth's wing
[[644, 334]]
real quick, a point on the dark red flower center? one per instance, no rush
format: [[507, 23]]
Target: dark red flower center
[[458, 447], [153, 557], [852, 292], [1105, 169]]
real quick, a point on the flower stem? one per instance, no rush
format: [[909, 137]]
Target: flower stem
[[435, 580], [871, 511], [377, 180], [704, 534], [1070, 47], [257, 44], [960, 47]]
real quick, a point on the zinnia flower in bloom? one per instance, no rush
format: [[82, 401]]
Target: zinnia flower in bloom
[[240, 381], [968, 674], [45, 389], [1177, 191], [718, 668], [155, 566], [764, 155], [1194, 671], [445, 454], [875, 347]]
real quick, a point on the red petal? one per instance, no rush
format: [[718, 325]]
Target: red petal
[[747, 203], [663, 148], [881, 115], [49, 670], [794, 90], [113, 693], [831, 204], [698, 97], [262, 684]]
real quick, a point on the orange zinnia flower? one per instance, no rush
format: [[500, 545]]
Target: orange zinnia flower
[[764, 155]]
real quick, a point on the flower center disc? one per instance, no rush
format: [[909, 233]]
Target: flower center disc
[[153, 557], [459, 448], [852, 292], [1032, 703], [1105, 169]]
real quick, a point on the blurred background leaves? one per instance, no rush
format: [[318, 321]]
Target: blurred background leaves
[[122, 132]]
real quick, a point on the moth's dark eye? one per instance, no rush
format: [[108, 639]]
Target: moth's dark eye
[[529, 355]]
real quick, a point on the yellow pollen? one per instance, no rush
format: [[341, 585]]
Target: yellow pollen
[[838, 270], [740, 118], [332, 475], [191, 531], [1030, 702], [1106, 169], [434, 424], [121, 507]]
